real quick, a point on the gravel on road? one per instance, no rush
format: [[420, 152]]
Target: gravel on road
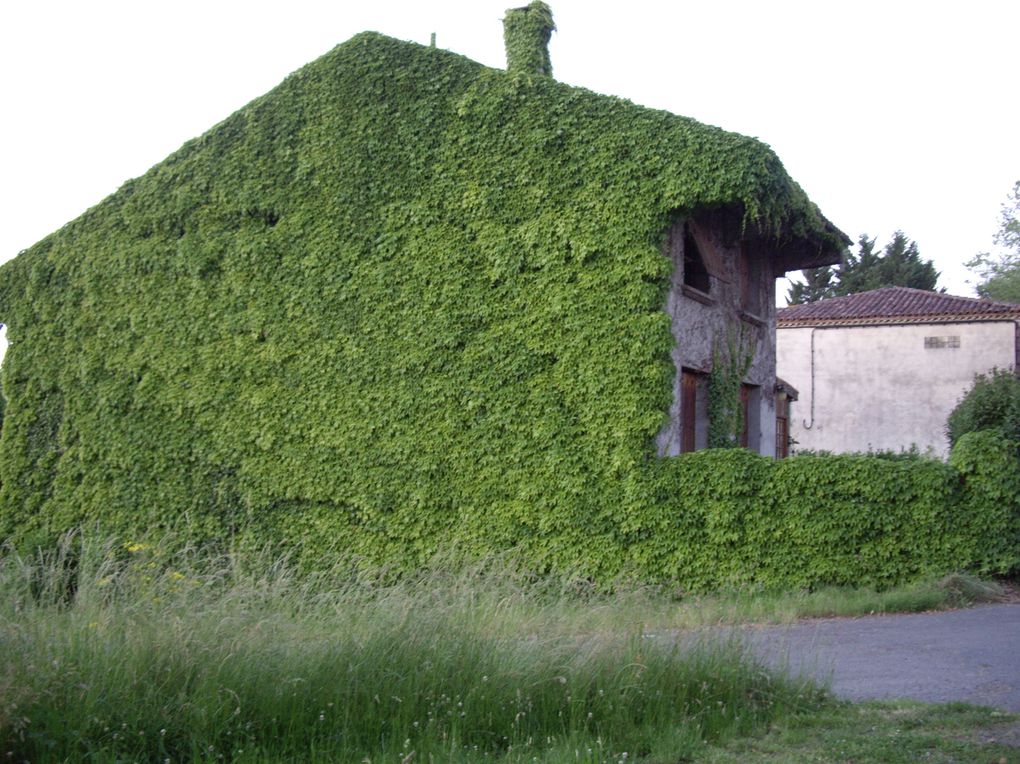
[[970, 655]]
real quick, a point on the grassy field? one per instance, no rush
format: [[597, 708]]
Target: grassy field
[[124, 653]]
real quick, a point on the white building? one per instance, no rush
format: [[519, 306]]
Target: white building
[[883, 369]]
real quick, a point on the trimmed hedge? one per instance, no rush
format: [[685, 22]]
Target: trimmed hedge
[[725, 518]]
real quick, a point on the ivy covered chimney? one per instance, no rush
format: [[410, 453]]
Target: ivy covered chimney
[[526, 33]]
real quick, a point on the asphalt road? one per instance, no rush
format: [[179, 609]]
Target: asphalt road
[[970, 655]]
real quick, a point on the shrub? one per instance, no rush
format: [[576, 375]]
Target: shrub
[[715, 519], [987, 524], [992, 403]]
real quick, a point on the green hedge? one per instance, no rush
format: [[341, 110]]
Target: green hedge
[[987, 527], [727, 518], [731, 518]]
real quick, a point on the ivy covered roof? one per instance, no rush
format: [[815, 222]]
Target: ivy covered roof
[[401, 297]]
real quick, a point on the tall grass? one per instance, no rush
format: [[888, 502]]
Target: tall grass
[[113, 653]]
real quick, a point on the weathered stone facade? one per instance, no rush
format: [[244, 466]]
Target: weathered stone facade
[[722, 292]]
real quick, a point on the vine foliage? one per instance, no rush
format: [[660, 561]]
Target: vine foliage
[[403, 303], [526, 33], [730, 363]]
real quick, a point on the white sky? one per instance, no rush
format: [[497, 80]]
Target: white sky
[[890, 113]]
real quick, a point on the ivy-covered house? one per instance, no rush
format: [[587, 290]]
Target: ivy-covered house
[[403, 301]]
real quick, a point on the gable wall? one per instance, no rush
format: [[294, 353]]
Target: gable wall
[[879, 387]]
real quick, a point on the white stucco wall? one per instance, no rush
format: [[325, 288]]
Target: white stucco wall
[[879, 387]]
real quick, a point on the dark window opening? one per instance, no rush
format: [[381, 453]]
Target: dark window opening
[[695, 272], [750, 281]]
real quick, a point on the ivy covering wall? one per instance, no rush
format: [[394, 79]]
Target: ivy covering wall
[[526, 33], [731, 518], [400, 304]]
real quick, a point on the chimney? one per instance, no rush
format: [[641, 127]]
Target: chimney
[[526, 33]]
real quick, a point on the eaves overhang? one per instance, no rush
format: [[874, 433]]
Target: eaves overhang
[[954, 318]]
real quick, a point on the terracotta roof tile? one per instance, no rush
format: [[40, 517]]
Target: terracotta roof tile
[[896, 305]]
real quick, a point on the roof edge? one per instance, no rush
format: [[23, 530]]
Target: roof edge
[[955, 318]]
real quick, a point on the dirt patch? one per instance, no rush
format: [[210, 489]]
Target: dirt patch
[[1010, 591], [1005, 734]]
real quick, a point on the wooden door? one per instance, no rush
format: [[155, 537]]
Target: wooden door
[[688, 410], [745, 400]]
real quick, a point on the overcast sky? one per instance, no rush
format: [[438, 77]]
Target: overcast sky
[[889, 114]]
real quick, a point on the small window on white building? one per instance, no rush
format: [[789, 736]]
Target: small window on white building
[[941, 343]]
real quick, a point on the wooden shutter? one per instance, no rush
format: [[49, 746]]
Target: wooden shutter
[[745, 399], [688, 410]]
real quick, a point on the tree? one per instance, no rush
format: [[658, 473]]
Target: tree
[[1000, 272], [899, 264], [818, 285]]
